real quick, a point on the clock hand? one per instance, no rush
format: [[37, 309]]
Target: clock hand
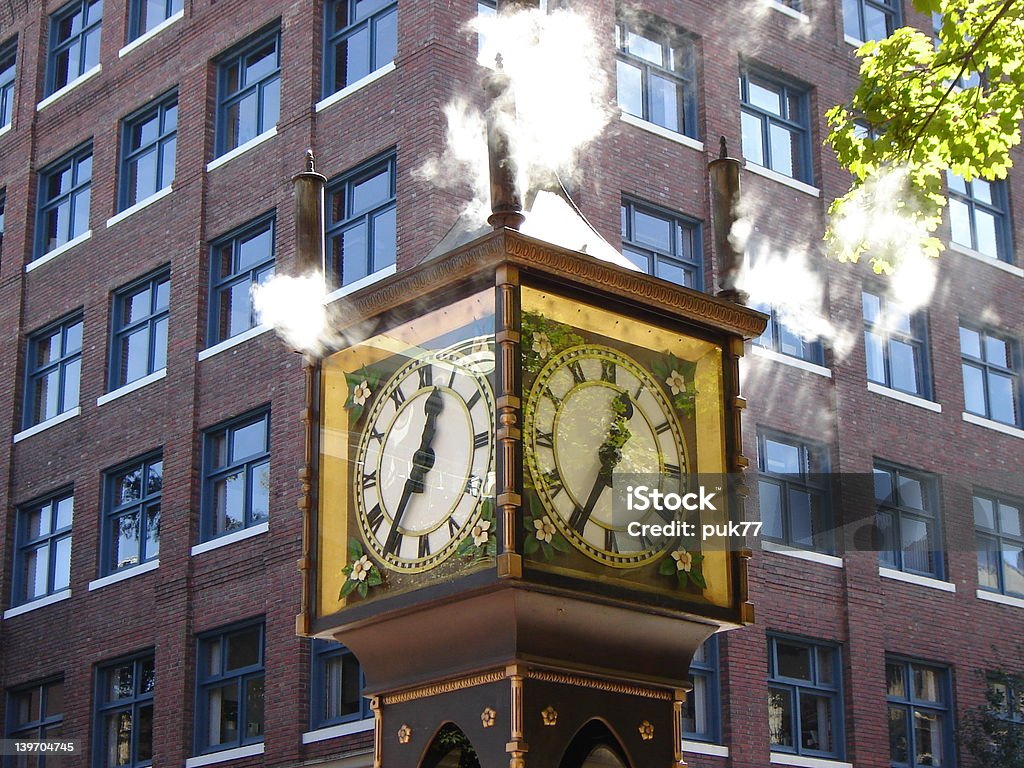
[[610, 454], [422, 461]]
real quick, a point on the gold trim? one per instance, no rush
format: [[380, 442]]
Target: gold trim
[[378, 732], [307, 480], [646, 729], [549, 716], [487, 717], [448, 686], [598, 685], [404, 734]]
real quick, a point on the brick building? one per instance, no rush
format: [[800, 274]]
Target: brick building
[[148, 584]]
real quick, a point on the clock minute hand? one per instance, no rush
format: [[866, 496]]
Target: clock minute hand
[[610, 454]]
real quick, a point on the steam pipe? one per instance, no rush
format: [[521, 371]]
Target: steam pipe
[[506, 203], [310, 248], [724, 172]]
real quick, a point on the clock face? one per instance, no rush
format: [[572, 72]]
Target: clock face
[[594, 412], [424, 457]]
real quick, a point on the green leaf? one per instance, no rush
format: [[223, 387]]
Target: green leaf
[[530, 544], [667, 566], [698, 578], [374, 578], [465, 546], [363, 589], [683, 578], [548, 550], [355, 550], [491, 550], [559, 543], [347, 588]]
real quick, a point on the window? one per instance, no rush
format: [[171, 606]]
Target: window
[[36, 712], [792, 491], [54, 362], [805, 711], [229, 706], [662, 244], [3, 205], [1006, 696], [361, 220], [140, 330], [42, 556], [978, 216], [775, 124], [865, 20], [701, 712], [991, 376], [131, 514], [148, 141], [146, 14], [74, 42], [248, 100], [124, 713], [655, 71], [485, 9], [8, 52], [362, 37], [237, 476], [337, 687], [64, 200], [238, 262], [1000, 528], [895, 346], [907, 518], [919, 714], [778, 338]]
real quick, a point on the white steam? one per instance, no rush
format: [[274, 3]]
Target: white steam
[[294, 306]]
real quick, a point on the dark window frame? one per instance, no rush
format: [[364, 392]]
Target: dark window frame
[[206, 681], [8, 80], [23, 546], [352, 27], [3, 216], [708, 669], [133, 703], [798, 126], [988, 369], [1011, 709], [220, 284], [121, 329], [684, 229], [135, 30], [54, 81], [71, 161], [993, 540], [227, 99], [43, 726], [889, 8], [246, 464], [36, 372], [129, 155], [670, 37], [895, 507], [321, 653], [910, 703], [336, 228], [810, 453], [917, 340], [999, 209], [793, 687], [113, 511], [776, 331]]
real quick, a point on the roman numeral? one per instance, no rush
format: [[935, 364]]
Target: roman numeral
[[673, 470], [473, 400], [577, 372], [645, 542], [610, 544], [551, 396], [398, 396], [453, 527], [578, 520], [375, 517], [394, 541], [480, 440], [639, 391], [663, 428], [451, 379], [553, 482], [369, 480], [424, 546], [375, 435], [474, 485], [545, 439], [608, 371], [426, 376]]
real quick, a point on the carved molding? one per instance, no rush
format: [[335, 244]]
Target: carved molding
[[448, 686], [598, 685]]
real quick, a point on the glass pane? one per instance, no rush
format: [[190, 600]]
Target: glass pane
[[249, 440], [53, 694], [675, 273], [984, 513], [260, 492], [159, 345], [803, 517], [911, 492], [151, 13], [384, 246], [753, 141], [793, 661], [134, 355], [243, 649], [81, 207], [354, 253], [65, 509], [981, 190], [71, 375], [887, 536], [695, 717], [386, 30], [1013, 569], [898, 748], [219, 449], [1001, 397], [816, 722], [956, 183], [875, 357], [34, 577], [630, 88], [352, 58], [997, 351], [928, 738], [47, 394], [254, 250], [917, 546], [782, 458], [61, 564], [780, 717], [1010, 519], [370, 193], [235, 310], [261, 62], [970, 342], [147, 675], [974, 389], [229, 503], [653, 230], [144, 734], [125, 541], [222, 714], [270, 104], [342, 686], [121, 682], [826, 666], [876, 23], [137, 305], [960, 222], [254, 707], [872, 307], [142, 176], [645, 48], [128, 486], [167, 150], [903, 365], [765, 97], [664, 97], [36, 522], [770, 499], [118, 728], [985, 229], [784, 150], [927, 683], [152, 531], [988, 563], [641, 260]]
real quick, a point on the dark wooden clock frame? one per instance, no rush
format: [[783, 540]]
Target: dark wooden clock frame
[[533, 672]]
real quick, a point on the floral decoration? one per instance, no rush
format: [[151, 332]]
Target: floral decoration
[[487, 717], [404, 734], [362, 385], [360, 572], [481, 542], [646, 730], [542, 338], [677, 375], [687, 567], [549, 715], [541, 533]]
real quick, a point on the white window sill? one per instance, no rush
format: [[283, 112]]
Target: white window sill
[[802, 554], [362, 282], [151, 34], [795, 362], [51, 255], [145, 203], [995, 426], [781, 178], [69, 87], [42, 426], [234, 341], [334, 731], [853, 41], [665, 133], [131, 387], [241, 149], [127, 573], [991, 261], [5, 129], [42, 602], [995, 597], [230, 538], [250, 750], [702, 748], [778, 758], [904, 397], [358, 85], [913, 578], [787, 11]]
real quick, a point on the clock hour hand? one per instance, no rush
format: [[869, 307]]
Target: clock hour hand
[[422, 462], [609, 454]]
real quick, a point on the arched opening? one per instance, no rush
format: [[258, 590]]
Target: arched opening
[[451, 748], [595, 746]]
